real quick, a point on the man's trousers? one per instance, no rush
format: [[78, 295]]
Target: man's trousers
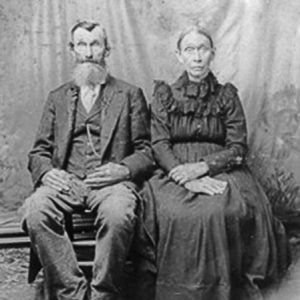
[[115, 222]]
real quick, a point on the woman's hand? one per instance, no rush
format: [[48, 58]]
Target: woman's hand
[[206, 185], [187, 172]]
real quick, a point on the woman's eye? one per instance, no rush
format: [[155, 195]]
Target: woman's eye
[[204, 48]]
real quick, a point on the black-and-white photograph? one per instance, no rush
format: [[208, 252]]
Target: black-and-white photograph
[[150, 150]]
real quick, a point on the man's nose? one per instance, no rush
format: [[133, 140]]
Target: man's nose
[[89, 52]]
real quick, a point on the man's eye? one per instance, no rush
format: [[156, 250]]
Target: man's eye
[[189, 49], [97, 44]]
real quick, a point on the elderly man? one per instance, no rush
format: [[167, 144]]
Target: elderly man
[[92, 150]]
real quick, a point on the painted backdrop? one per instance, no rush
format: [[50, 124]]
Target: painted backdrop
[[258, 49]]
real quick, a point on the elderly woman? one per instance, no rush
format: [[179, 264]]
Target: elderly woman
[[217, 237]]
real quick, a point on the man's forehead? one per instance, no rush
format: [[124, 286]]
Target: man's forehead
[[84, 34]]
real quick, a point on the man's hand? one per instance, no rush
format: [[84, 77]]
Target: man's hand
[[57, 179], [186, 172], [108, 174], [206, 185]]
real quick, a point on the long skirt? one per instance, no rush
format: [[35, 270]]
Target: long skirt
[[217, 247]]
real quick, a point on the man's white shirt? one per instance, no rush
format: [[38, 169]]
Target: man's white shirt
[[88, 96]]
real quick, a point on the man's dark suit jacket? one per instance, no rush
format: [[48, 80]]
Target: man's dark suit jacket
[[125, 133]]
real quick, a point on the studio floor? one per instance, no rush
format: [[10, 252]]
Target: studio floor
[[14, 286]]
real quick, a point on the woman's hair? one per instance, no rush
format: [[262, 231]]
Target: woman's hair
[[89, 26], [194, 28]]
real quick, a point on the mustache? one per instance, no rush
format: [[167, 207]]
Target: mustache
[[91, 61]]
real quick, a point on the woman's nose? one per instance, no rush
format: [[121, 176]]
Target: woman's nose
[[197, 55]]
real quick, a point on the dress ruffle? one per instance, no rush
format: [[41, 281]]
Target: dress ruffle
[[212, 103]]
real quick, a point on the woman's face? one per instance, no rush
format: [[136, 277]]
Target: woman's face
[[196, 54]]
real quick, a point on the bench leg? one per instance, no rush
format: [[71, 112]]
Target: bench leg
[[34, 266]]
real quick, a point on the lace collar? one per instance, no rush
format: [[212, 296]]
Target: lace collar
[[196, 89]]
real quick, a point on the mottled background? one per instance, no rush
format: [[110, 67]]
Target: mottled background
[[258, 49]]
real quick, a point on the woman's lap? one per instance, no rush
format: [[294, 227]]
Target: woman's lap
[[204, 241]]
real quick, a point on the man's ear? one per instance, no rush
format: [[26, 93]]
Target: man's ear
[[71, 46], [212, 54], [71, 50]]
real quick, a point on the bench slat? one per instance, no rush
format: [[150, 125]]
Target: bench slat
[[11, 234], [19, 241], [84, 243]]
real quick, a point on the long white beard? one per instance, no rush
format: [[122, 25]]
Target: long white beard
[[89, 74]]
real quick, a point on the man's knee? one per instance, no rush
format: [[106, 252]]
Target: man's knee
[[118, 210], [38, 209]]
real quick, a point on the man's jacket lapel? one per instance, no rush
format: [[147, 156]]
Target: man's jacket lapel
[[113, 102], [72, 96]]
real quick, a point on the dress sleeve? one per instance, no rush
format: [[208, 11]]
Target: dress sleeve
[[236, 134], [160, 127]]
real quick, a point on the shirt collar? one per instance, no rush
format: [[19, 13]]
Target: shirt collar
[[86, 89]]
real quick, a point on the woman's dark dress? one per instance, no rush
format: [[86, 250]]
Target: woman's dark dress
[[209, 244]]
